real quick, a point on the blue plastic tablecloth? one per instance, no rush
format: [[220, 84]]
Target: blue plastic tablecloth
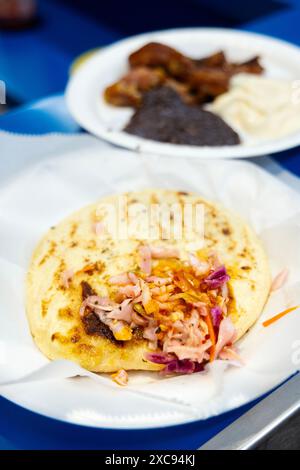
[[21, 429]]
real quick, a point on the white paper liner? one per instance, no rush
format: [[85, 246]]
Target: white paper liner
[[63, 174]]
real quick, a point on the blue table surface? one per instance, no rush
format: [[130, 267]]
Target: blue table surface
[[22, 429]]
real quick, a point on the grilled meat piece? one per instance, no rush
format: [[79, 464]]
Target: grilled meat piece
[[195, 80], [209, 82], [218, 59], [250, 66], [128, 91], [155, 54]]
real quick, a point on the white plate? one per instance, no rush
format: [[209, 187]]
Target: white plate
[[63, 174], [85, 90]]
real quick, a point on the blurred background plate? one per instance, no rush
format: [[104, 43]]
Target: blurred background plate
[[85, 89]]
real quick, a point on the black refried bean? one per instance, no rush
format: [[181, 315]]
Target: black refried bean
[[164, 117]]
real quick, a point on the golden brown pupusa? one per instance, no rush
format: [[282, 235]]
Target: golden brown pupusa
[[53, 310]]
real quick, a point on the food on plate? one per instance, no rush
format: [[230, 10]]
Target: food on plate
[[156, 64], [116, 303], [164, 117], [154, 54], [259, 107], [129, 90], [184, 84]]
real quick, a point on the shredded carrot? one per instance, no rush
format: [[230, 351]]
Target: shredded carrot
[[88, 267], [212, 336], [279, 315]]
